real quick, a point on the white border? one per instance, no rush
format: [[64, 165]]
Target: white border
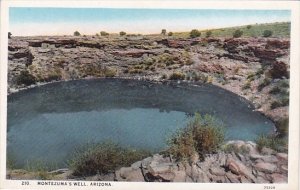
[[293, 167]]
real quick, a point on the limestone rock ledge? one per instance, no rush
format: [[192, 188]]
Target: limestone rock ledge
[[248, 166], [243, 164]]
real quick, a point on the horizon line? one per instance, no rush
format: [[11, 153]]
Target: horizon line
[[148, 34]]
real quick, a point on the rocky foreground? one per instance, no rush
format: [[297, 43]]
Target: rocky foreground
[[242, 164]]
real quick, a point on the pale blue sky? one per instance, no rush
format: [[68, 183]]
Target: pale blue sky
[[57, 21]]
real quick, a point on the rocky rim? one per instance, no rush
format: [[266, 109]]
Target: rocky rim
[[250, 67]]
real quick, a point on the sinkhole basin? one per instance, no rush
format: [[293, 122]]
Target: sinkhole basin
[[47, 123]]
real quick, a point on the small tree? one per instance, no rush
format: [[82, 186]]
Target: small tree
[[208, 33], [249, 26], [237, 33], [163, 31], [76, 33], [195, 33], [122, 33], [103, 33], [267, 33], [170, 34], [9, 35]]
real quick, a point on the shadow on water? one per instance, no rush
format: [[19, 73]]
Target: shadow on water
[[47, 122]]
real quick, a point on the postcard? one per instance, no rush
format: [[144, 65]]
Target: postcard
[[149, 94]]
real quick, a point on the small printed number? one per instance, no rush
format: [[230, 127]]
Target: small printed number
[[269, 187], [25, 182]]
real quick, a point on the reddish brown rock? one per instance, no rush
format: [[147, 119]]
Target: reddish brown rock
[[211, 68], [279, 44], [132, 53], [266, 54], [279, 69]]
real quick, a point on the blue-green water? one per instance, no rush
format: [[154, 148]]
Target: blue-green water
[[46, 123]]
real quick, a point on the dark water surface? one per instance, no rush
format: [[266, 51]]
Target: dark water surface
[[46, 123]]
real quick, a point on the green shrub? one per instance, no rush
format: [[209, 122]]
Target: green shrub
[[103, 33], [263, 84], [275, 90], [135, 71], [103, 158], [195, 33], [208, 33], [170, 34], [249, 26], [282, 101], [271, 141], [284, 83], [177, 76], [247, 85], [203, 135], [53, 76], [282, 126], [164, 76], [237, 33], [259, 72], [25, 78], [197, 77], [122, 33], [166, 58], [275, 104], [285, 100], [267, 33], [109, 72], [76, 33], [251, 76]]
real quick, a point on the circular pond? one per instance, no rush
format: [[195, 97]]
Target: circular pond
[[46, 123]]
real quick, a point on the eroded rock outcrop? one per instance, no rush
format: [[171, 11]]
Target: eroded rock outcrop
[[244, 166]]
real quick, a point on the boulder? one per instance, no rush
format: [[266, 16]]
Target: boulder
[[180, 176], [265, 167], [232, 178], [270, 159], [255, 156], [129, 174], [202, 177], [260, 179], [217, 171], [124, 172], [136, 165], [155, 169], [284, 168], [238, 168], [279, 178]]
